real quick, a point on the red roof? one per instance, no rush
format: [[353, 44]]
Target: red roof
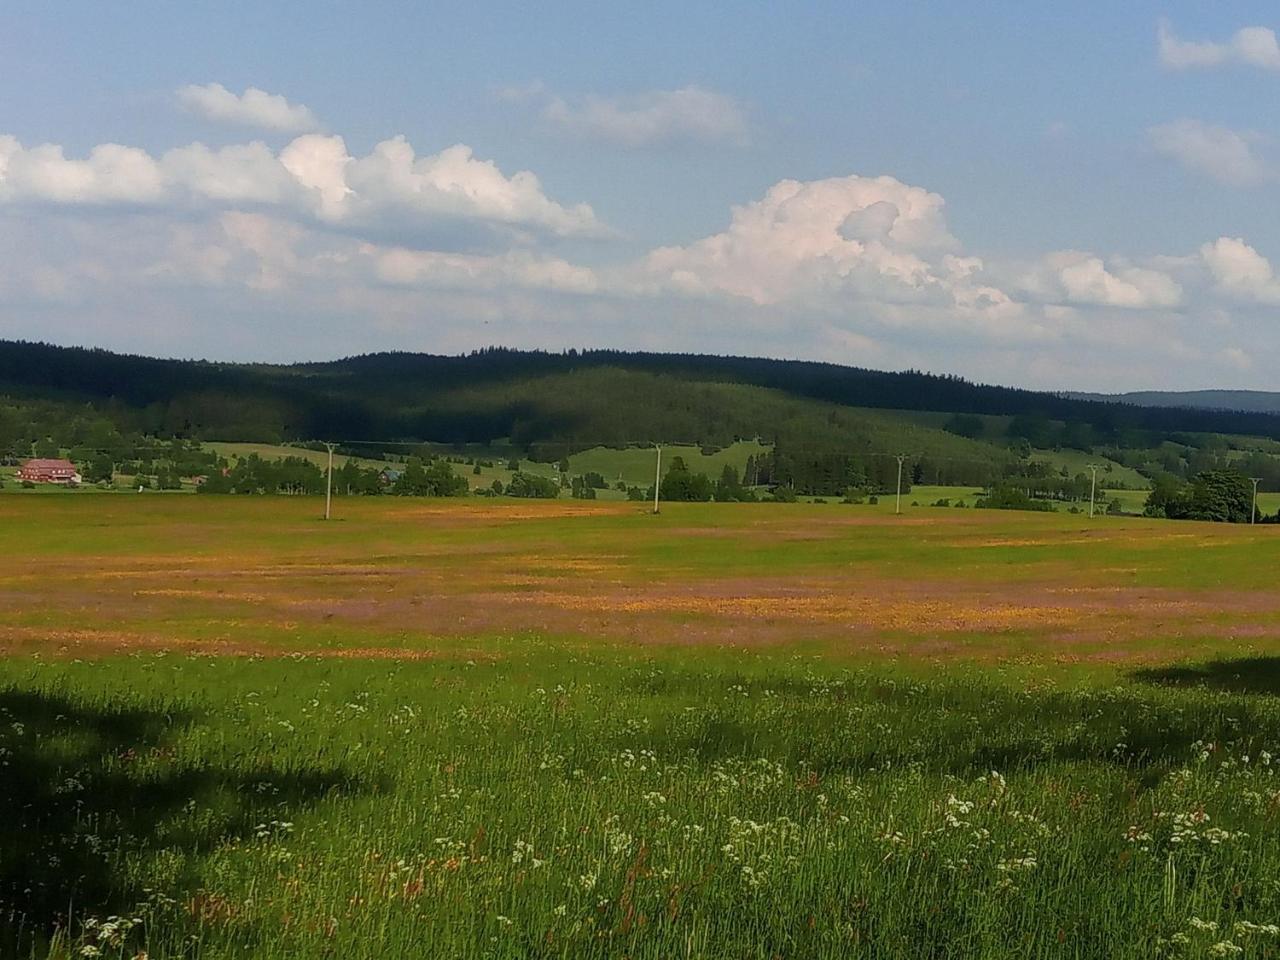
[[47, 464]]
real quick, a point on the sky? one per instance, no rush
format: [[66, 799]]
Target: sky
[[1068, 196]]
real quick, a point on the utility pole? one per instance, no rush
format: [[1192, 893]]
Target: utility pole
[[1253, 510], [328, 484], [657, 477], [1093, 484], [897, 509]]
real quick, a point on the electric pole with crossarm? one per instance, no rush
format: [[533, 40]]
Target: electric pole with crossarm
[[657, 476], [328, 484], [1093, 484]]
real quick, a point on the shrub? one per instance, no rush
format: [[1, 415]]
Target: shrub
[[532, 486], [1012, 498]]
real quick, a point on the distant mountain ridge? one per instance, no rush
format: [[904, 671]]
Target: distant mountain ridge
[[1244, 401]]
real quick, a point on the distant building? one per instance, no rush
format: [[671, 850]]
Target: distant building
[[389, 476], [49, 471]]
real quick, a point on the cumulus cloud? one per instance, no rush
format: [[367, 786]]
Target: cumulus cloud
[[872, 243], [110, 174], [1217, 152], [253, 108], [1078, 277], [1240, 271], [1252, 46], [876, 233], [313, 177], [451, 182], [689, 114]]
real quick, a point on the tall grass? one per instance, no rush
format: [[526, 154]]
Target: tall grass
[[557, 804]]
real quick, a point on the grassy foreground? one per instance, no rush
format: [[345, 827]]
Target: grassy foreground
[[680, 790]]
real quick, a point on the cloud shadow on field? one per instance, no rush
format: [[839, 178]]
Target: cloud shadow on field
[[83, 781], [1258, 675]]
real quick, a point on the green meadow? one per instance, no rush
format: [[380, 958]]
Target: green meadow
[[498, 729]]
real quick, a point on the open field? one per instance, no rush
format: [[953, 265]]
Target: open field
[[635, 465], [500, 729], [1135, 500], [1077, 462]]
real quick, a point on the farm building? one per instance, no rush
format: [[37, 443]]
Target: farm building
[[49, 471]]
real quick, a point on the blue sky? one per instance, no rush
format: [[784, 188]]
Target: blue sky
[[1081, 197]]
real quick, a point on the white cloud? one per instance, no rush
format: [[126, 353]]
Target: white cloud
[[1077, 277], [1241, 271], [454, 182], [241, 173], [868, 251], [1253, 46], [1217, 152], [313, 177], [464, 271], [253, 108], [874, 233], [110, 174], [690, 113]]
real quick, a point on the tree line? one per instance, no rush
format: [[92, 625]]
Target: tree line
[[382, 395], [254, 474]]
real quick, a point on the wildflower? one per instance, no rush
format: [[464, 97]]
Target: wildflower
[[1245, 927], [1016, 864], [521, 851]]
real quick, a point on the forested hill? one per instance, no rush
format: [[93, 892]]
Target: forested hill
[[1250, 401], [532, 397]]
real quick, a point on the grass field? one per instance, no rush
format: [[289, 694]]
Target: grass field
[[499, 729], [1078, 461], [1135, 500], [270, 451], [635, 466]]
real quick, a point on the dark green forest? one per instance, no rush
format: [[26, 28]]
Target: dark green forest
[[536, 397]]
